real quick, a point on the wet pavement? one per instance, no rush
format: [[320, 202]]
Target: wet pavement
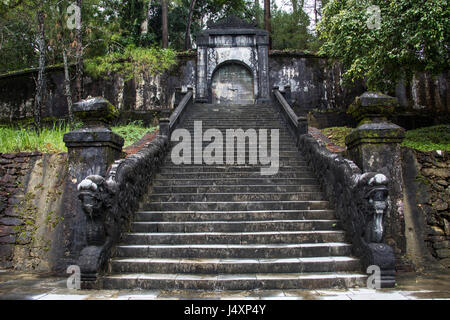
[[35, 286]]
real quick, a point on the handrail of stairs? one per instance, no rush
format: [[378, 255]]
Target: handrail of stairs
[[167, 125], [360, 201], [110, 202], [297, 125]]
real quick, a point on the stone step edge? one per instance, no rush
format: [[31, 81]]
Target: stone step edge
[[237, 246], [236, 260], [256, 233], [232, 212], [233, 222], [233, 193], [231, 277]]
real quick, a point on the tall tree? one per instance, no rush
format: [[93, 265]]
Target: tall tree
[[267, 25], [79, 73], [165, 25], [386, 45], [67, 89], [187, 38], [40, 84]]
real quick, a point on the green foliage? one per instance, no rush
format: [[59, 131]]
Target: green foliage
[[132, 62], [413, 36], [423, 139], [337, 134], [51, 139], [429, 138], [23, 140], [290, 30], [132, 132]]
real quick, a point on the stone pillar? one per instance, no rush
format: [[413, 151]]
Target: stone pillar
[[375, 147], [202, 83], [263, 67], [164, 124], [94, 147]]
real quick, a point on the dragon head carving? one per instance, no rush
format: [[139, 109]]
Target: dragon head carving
[[377, 197]]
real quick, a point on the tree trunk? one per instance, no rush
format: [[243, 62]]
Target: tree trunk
[[315, 13], [165, 28], [187, 37], [79, 73], [40, 85], [67, 89], [267, 20]]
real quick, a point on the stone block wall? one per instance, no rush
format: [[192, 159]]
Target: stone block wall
[[434, 172], [315, 85], [136, 99], [31, 188], [13, 169]]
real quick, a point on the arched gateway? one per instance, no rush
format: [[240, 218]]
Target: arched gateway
[[232, 83], [232, 63]]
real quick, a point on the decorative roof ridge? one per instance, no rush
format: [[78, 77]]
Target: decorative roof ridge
[[231, 22]]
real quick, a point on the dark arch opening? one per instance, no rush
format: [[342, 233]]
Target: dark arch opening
[[232, 83]]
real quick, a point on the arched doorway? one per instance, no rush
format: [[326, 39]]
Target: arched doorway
[[232, 83]]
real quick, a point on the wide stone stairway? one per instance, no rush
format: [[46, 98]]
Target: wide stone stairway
[[227, 227]]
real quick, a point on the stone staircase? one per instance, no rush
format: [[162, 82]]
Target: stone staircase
[[227, 227]]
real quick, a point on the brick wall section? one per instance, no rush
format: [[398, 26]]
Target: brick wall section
[[434, 172], [13, 169]]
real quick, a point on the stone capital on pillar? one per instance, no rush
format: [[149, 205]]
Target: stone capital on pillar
[[370, 144], [93, 147]]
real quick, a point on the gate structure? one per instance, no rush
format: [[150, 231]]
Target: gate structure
[[232, 45]]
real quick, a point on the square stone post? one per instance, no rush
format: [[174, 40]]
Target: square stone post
[[375, 147], [94, 147]]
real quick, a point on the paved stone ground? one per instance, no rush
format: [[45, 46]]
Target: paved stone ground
[[33, 286]]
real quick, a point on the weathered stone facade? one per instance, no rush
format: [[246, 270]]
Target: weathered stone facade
[[232, 41], [429, 194], [315, 87], [30, 194]]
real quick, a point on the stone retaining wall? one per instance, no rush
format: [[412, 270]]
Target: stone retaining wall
[[31, 188], [434, 174], [13, 169]]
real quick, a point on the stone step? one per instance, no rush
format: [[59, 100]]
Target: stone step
[[262, 180], [231, 175], [283, 161], [282, 147], [234, 226], [234, 215], [234, 266], [237, 168], [229, 189], [274, 237], [273, 119], [262, 251], [282, 132], [283, 138], [236, 205], [184, 197], [254, 281]]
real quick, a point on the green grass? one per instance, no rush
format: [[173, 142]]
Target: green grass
[[50, 140], [423, 139], [337, 134], [429, 138], [132, 132]]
